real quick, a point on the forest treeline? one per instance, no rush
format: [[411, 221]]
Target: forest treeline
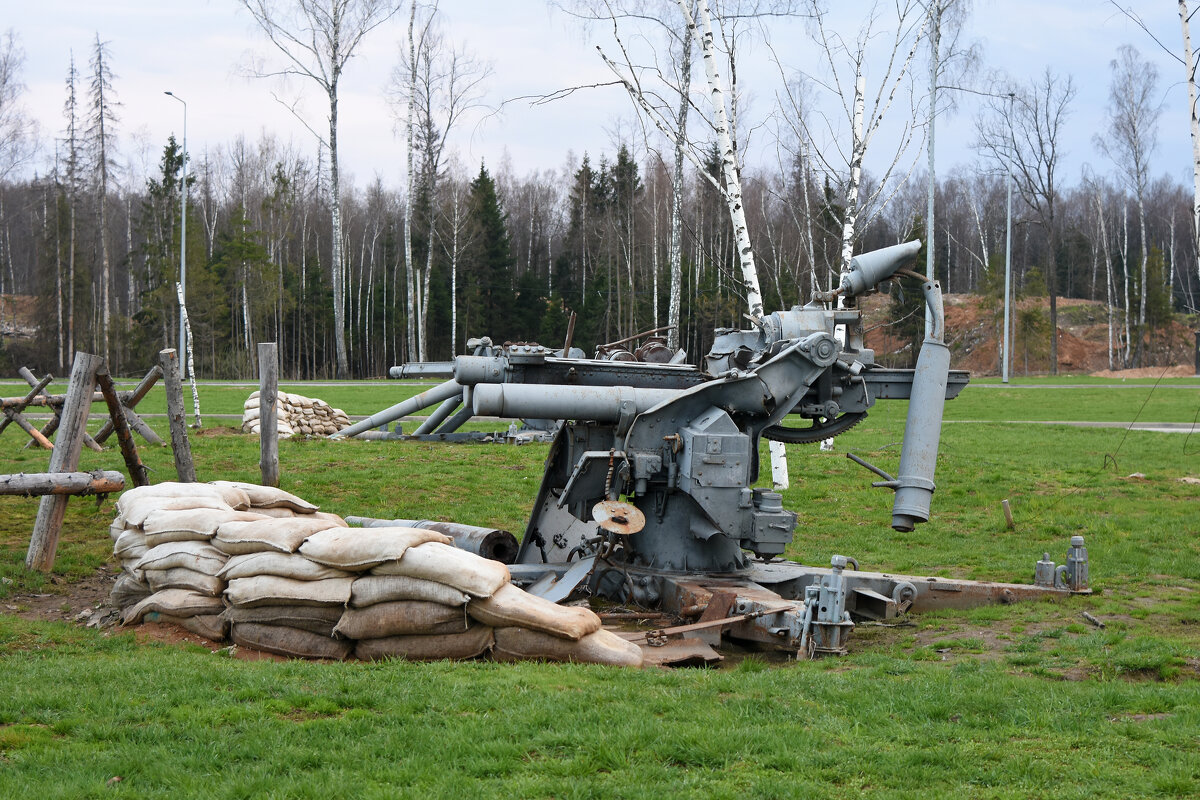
[[511, 256]]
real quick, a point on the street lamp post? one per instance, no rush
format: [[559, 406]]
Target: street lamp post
[[183, 360], [1007, 344]]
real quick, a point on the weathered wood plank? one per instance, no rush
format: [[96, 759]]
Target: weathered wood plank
[[168, 360], [133, 463], [65, 458], [62, 483], [134, 398], [268, 431]]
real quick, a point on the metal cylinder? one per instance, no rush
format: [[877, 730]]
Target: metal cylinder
[[437, 394], [922, 433], [494, 543], [598, 403], [439, 416], [423, 369]]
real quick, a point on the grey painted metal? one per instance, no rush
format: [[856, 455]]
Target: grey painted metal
[[868, 270], [423, 369], [922, 430], [460, 418], [826, 623], [437, 394], [439, 416], [494, 543], [596, 403]]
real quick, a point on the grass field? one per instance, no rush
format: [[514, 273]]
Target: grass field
[[1013, 701]]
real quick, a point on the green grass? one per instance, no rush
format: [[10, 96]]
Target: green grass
[[1004, 701]]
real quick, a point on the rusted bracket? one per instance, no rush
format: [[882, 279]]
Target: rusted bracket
[[660, 635]]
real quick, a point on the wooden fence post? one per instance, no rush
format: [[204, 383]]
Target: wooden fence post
[[169, 361], [64, 458], [268, 424], [137, 470]]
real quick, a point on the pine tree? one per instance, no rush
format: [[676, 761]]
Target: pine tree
[[489, 261]]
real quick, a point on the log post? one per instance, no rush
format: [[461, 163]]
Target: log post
[[137, 470], [62, 483], [169, 361], [135, 397], [38, 387], [268, 424], [65, 458], [52, 425]]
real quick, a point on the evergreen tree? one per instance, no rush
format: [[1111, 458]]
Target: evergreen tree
[[488, 263]]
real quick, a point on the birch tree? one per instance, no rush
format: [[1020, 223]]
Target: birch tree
[[17, 128], [316, 40]]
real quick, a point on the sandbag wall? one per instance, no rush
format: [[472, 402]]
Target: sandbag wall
[[272, 572], [296, 415]]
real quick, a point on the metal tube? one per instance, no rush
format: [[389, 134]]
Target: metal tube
[[598, 403], [459, 419], [423, 369], [438, 394], [494, 543], [439, 416], [1006, 345], [183, 362], [923, 427]]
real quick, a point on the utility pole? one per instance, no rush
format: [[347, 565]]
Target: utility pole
[[183, 351], [1007, 344]]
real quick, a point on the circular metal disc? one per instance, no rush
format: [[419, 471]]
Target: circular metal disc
[[618, 517]]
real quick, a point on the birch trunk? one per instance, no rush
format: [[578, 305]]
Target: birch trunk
[[335, 203], [674, 337], [409, 283], [1194, 120]]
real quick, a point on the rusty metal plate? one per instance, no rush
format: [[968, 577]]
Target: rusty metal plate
[[618, 517], [690, 652]]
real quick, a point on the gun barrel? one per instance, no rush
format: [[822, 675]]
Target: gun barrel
[[423, 369], [598, 403]]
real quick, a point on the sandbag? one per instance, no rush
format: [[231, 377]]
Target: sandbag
[[363, 548], [183, 578], [512, 607], [129, 590], [210, 626], [475, 575], [175, 602], [233, 496], [198, 556], [191, 524], [317, 619], [291, 642], [371, 589], [601, 647], [270, 590], [269, 496], [117, 527], [269, 534], [475, 641], [138, 509], [130, 544], [285, 565], [400, 618]]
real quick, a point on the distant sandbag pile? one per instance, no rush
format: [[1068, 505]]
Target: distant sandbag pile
[[296, 415], [274, 573]]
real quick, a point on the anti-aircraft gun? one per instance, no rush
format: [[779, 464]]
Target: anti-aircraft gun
[[649, 491]]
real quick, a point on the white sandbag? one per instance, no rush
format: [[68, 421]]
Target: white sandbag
[[269, 496], [189, 524], [475, 575], [371, 589], [291, 642], [175, 602], [473, 642], [285, 565], [198, 556], [138, 509], [208, 626], [117, 527], [271, 590], [129, 590], [363, 548], [175, 490], [268, 534], [601, 647], [512, 607], [130, 544], [183, 578], [317, 619], [401, 618]]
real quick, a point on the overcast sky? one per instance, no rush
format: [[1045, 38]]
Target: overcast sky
[[195, 48]]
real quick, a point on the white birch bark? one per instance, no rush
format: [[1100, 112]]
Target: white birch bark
[[409, 282], [1194, 120]]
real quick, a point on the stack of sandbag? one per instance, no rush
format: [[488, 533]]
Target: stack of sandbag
[[164, 537], [296, 415], [280, 576]]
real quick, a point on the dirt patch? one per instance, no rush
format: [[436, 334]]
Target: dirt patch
[[69, 600], [1180, 371]]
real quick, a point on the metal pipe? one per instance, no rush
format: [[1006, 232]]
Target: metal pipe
[[437, 394], [923, 427], [439, 416], [598, 403], [494, 543], [423, 369], [460, 417]]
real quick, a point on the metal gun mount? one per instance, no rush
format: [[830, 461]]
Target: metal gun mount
[[648, 494]]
